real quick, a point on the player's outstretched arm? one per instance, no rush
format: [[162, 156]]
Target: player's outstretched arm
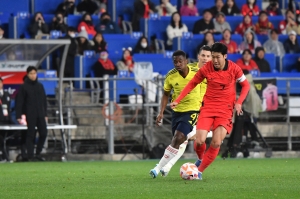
[[163, 104], [244, 92]]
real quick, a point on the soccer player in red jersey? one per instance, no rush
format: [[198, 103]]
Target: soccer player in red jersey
[[219, 101]]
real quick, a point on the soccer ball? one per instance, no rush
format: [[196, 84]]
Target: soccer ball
[[189, 171]]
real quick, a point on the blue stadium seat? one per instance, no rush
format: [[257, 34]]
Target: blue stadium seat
[[115, 42], [125, 87], [234, 57], [289, 62], [50, 8], [74, 20], [15, 6], [161, 63], [49, 86], [281, 84], [83, 66], [4, 20]]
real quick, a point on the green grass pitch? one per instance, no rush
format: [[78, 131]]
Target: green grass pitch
[[230, 178]]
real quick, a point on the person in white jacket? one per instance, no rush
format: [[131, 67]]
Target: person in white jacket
[[165, 8], [175, 29]]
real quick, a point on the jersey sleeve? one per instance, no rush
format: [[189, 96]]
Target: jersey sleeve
[[167, 85], [241, 79], [198, 78], [238, 73]]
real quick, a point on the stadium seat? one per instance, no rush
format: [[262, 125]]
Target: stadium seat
[[49, 86], [162, 63], [39, 6], [15, 6], [282, 84], [83, 66], [289, 62], [125, 87], [4, 20]]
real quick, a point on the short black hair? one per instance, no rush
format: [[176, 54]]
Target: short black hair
[[179, 53], [206, 10], [219, 48], [247, 51], [71, 29], [274, 31], [31, 68], [204, 47], [1, 80]]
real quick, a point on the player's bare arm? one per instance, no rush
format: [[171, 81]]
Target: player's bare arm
[[163, 104]]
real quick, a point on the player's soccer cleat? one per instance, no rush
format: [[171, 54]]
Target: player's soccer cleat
[[165, 171], [198, 162], [153, 173], [199, 176]]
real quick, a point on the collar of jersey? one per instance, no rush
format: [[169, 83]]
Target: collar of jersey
[[225, 67]]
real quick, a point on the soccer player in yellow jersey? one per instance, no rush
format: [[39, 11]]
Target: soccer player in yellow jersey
[[204, 56], [184, 117]]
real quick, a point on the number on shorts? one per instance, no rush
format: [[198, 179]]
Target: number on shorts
[[194, 118]]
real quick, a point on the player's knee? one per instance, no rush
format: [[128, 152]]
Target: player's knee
[[178, 139], [199, 142], [215, 143]]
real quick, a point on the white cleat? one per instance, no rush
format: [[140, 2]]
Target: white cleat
[[165, 171]]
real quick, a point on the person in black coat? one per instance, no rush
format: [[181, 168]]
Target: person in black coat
[[140, 12], [5, 115], [205, 24], [260, 60], [38, 25], [32, 102], [99, 43], [67, 7], [70, 60], [291, 44], [58, 23], [230, 8], [142, 46], [87, 6]]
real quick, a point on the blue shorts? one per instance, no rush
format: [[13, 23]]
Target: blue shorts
[[184, 121]]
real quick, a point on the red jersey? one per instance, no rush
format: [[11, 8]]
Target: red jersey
[[247, 10], [232, 46], [247, 66], [220, 95], [90, 29]]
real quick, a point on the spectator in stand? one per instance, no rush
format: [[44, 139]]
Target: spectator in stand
[[126, 63], [87, 7], [32, 101], [217, 7], [58, 23], [38, 25], [83, 42], [99, 43], [102, 4], [263, 26], [189, 8], [220, 24], [70, 60], [273, 9], [250, 42], [67, 7], [208, 40], [165, 8], [290, 23], [104, 66], [1, 33], [205, 24], [175, 29], [142, 46], [250, 8], [230, 8], [107, 26], [246, 62], [142, 9], [232, 46], [260, 60], [272, 45], [291, 45], [87, 25], [245, 25]]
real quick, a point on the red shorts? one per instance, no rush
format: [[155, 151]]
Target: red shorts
[[211, 123]]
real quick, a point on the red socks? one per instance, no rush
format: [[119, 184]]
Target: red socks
[[199, 149], [208, 158]]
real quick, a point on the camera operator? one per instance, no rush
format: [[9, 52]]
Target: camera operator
[[38, 25], [58, 23]]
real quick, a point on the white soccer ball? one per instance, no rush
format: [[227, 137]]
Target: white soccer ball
[[189, 171]]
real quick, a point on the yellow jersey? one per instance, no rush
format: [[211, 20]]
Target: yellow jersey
[[176, 82], [202, 85]]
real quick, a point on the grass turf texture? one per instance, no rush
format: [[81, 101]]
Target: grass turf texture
[[230, 178]]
